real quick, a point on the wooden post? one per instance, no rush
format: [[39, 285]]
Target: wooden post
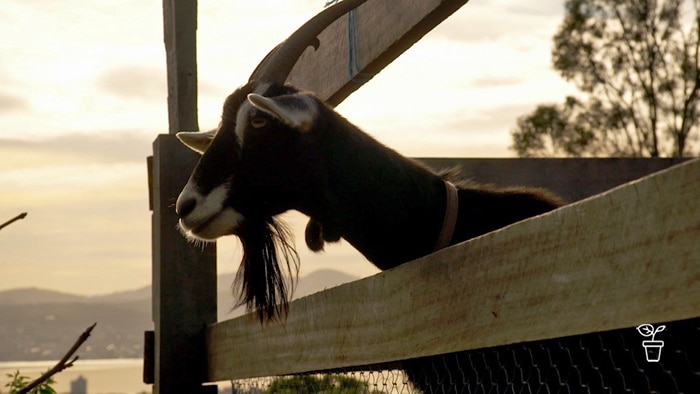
[[184, 278], [184, 275], [180, 38]]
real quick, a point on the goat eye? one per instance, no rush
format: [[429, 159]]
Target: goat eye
[[258, 122]]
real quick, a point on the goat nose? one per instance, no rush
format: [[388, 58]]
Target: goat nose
[[185, 206]]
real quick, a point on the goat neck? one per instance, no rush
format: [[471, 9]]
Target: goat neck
[[390, 208]]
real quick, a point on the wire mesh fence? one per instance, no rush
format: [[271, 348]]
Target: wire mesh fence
[[619, 361]]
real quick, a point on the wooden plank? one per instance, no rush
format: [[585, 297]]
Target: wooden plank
[[573, 178], [384, 30], [616, 260]]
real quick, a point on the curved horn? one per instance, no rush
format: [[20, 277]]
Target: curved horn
[[277, 65]]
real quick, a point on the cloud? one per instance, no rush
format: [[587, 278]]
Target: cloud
[[87, 198], [75, 149], [537, 8], [90, 220], [135, 82], [10, 103], [488, 81], [75, 134], [485, 121], [498, 21]]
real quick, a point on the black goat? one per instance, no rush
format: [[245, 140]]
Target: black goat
[[282, 149], [279, 148]]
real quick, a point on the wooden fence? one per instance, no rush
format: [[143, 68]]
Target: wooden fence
[[618, 259], [622, 258]]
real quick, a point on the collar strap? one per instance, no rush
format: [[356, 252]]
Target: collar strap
[[450, 220]]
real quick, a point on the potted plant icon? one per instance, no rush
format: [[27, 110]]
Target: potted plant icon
[[651, 347]]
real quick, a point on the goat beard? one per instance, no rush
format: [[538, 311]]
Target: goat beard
[[263, 283]]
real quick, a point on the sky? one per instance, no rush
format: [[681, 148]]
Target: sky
[[83, 95]]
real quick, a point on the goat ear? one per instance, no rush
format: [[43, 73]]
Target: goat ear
[[295, 110], [198, 141]]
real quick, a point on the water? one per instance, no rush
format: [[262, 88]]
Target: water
[[109, 376], [122, 376]]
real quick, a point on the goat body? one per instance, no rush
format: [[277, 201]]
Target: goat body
[[278, 148]]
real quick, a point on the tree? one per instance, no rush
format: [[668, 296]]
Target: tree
[[336, 384], [636, 65], [19, 382], [550, 131]]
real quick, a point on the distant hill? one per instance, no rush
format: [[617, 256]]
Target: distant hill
[[308, 284], [40, 324], [33, 295], [123, 296], [321, 280]]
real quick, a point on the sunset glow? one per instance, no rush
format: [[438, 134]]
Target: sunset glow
[[83, 95]]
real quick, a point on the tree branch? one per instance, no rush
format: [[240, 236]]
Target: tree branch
[[690, 104], [639, 65], [14, 219], [62, 364]]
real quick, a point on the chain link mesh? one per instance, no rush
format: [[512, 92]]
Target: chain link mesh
[[607, 362]]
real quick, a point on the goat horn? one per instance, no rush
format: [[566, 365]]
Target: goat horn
[[277, 65]]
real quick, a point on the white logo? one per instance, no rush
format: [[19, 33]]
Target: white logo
[[652, 347]]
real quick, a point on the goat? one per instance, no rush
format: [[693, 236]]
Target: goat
[[279, 148]]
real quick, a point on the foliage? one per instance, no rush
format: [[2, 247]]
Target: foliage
[[550, 131], [327, 384], [637, 65], [19, 381]]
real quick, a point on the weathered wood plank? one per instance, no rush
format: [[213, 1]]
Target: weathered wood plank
[[180, 39], [184, 276], [384, 30], [572, 178], [625, 257]]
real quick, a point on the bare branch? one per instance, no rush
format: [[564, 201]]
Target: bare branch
[[690, 104], [65, 362], [14, 219], [647, 85]]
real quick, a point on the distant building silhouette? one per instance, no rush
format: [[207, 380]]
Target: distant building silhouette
[[78, 386]]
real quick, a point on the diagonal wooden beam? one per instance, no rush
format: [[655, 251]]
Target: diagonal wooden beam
[[383, 29]]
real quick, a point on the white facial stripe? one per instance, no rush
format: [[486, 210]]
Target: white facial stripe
[[225, 223], [244, 111], [209, 215], [242, 119], [213, 202]]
